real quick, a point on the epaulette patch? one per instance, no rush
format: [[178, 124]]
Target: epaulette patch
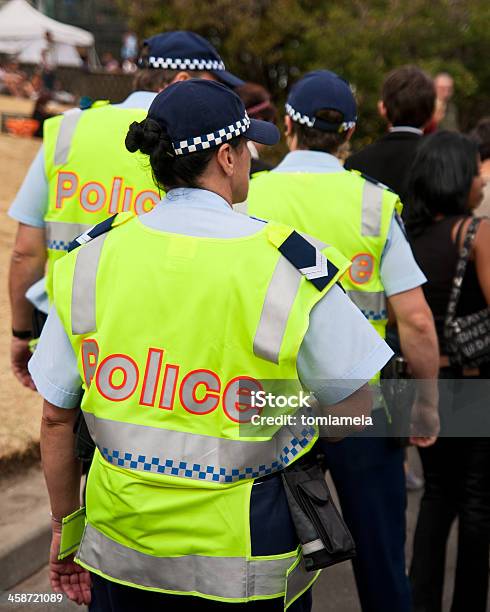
[[372, 180], [97, 230], [87, 102], [375, 182], [310, 261]]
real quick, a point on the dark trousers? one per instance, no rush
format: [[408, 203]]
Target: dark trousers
[[110, 596], [369, 478], [457, 485]]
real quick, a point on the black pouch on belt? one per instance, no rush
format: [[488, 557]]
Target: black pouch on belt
[[321, 530]]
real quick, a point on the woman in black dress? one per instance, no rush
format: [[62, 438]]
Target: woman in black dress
[[444, 187]]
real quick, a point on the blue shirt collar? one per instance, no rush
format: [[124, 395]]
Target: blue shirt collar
[[200, 198], [138, 99], [309, 161]]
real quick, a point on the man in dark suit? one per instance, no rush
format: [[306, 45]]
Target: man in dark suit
[[407, 104]]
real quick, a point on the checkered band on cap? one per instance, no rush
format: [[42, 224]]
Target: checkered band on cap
[[173, 63], [298, 117], [214, 139], [305, 120]]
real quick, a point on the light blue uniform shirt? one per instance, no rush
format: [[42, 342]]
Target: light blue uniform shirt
[[340, 352], [31, 202], [398, 269]]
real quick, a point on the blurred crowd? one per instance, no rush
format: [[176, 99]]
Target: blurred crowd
[[126, 63]]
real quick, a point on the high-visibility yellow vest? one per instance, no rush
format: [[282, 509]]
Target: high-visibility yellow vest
[[91, 175], [344, 209], [173, 333]]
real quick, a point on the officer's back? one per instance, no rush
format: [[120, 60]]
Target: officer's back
[[311, 190]]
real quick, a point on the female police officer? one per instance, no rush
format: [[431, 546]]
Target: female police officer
[[170, 322]]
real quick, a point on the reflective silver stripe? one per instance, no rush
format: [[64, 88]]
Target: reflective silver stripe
[[278, 302], [60, 234], [372, 200], [313, 546], [83, 291], [65, 135], [191, 455], [227, 577], [298, 581], [372, 304]]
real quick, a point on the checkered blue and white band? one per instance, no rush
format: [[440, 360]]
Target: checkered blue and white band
[[214, 139], [297, 117], [178, 63]]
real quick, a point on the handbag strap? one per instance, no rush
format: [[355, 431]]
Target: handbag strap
[[464, 255]]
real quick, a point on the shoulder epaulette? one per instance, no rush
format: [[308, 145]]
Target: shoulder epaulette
[[94, 232], [377, 183], [309, 260], [86, 102], [370, 179]]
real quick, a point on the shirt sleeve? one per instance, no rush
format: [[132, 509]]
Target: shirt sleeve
[[53, 366], [31, 202], [341, 350], [399, 270]]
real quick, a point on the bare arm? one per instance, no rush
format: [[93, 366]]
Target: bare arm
[[26, 267], [358, 404], [62, 472], [417, 332], [418, 341]]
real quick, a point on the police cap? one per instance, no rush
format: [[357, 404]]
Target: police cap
[[199, 114], [322, 90], [182, 50]]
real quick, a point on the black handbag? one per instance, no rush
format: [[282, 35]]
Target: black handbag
[[467, 337]]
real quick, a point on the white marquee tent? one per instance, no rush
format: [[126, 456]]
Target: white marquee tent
[[23, 29]]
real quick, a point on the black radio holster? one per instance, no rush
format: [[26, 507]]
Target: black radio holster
[[321, 530]]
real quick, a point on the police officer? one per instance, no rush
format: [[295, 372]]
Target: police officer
[[169, 322], [82, 174], [310, 190]]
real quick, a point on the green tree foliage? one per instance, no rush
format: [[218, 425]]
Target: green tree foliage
[[273, 42]]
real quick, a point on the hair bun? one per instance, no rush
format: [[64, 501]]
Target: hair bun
[[134, 137], [148, 137]]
